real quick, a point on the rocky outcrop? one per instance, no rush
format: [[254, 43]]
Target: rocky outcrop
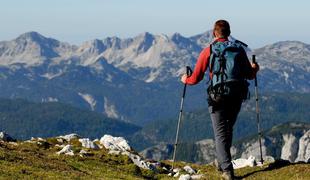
[[290, 147], [252, 149], [6, 138], [119, 145], [289, 141], [87, 143], [67, 150], [304, 148], [293, 146], [115, 143]]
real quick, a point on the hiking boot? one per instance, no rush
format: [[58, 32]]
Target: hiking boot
[[228, 175]]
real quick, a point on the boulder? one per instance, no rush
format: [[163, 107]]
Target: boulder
[[185, 177], [67, 150], [269, 159], [87, 143], [241, 162], [118, 145], [115, 143], [6, 138], [189, 170], [196, 176]]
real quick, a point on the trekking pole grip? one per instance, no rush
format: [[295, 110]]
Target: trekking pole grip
[[253, 59], [189, 71]]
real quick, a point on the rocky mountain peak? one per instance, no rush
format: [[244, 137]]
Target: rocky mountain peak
[[144, 42], [113, 42], [287, 44], [203, 39], [183, 42], [32, 36], [145, 35], [95, 46]]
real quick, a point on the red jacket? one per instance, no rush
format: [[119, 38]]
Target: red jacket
[[203, 63]]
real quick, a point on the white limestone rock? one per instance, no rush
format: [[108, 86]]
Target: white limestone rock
[[87, 143], [67, 150], [115, 143], [118, 145], [38, 139], [114, 152], [5, 137], [137, 160], [252, 149], [269, 159], [304, 148], [241, 162], [196, 176], [290, 148], [185, 177], [177, 174], [189, 170], [69, 137], [176, 170]]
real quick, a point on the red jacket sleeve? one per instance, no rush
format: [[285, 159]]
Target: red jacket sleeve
[[200, 67]]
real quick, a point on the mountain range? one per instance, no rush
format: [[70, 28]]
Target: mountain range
[[133, 79]]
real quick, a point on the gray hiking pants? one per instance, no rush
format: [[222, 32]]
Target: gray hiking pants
[[223, 116]]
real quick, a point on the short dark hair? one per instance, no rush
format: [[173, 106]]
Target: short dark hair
[[222, 28]]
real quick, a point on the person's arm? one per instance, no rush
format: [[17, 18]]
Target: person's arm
[[200, 68]]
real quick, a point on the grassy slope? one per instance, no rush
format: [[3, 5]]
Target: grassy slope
[[32, 161]]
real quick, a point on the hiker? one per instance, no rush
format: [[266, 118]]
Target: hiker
[[227, 87]]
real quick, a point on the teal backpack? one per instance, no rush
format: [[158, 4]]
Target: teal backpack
[[227, 65]]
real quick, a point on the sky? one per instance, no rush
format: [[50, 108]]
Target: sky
[[257, 23]]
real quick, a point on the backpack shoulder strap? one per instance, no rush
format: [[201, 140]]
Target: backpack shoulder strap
[[213, 54]]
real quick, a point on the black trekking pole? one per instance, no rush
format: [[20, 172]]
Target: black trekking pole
[[188, 73], [257, 117]]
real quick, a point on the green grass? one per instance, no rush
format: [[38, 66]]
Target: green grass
[[33, 161]]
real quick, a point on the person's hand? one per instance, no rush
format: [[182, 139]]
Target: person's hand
[[183, 78], [255, 66]]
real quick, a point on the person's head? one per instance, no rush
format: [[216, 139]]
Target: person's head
[[221, 29]]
